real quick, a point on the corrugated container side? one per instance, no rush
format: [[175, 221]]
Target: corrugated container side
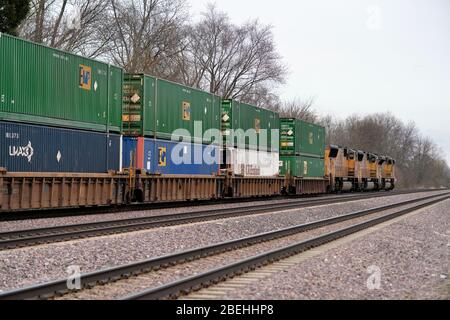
[[252, 163], [35, 148], [173, 158], [42, 85], [312, 139], [115, 98], [113, 153], [155, 106], [180, 107], [240, 116], [301, 166], [298, 137]]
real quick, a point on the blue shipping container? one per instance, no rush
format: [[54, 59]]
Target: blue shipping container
[[171, 158], [34, 148]]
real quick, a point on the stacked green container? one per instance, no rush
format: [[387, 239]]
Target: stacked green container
[[47, 86], [156, 108], [302, 149], [298, 137], [301, 166], [242, 116]]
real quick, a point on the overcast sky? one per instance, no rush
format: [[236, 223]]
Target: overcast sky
[[362, 56]]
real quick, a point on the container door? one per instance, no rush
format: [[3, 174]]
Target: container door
[[133, 105], [287, 139]]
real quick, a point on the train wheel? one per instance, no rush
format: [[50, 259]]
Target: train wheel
[[139, 195]]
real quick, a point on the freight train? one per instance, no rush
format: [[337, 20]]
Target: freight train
[[76, 132]]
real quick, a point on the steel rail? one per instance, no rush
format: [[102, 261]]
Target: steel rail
[[37, 236], [88, 280], [197, 282], [82, 211]]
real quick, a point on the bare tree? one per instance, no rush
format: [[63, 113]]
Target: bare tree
[[299, 109], [264, 96], [12, 13], [72, 25], [147, 35], [239, 62]]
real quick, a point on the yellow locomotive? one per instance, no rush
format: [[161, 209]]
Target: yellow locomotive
[[356, 170]]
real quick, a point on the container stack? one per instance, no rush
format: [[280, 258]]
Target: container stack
[[250, 140], [302, 148], [59, 112], [169, 128]]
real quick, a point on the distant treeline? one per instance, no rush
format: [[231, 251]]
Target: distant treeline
[[420, 162]]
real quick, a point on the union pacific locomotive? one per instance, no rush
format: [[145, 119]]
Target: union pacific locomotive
[[356, 170]]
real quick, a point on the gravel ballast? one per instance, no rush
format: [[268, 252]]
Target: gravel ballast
[[153, 279], [22, 267], [412, 256]]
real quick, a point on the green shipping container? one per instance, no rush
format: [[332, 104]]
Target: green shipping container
[[241, 116], [42, 85], [303, 167], [155, 107], [298, 137]]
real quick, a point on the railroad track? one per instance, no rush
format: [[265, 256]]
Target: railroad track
[[37, 236], [74, 212], [130, 281]]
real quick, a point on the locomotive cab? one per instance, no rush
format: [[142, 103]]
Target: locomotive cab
[[342, 168], [388, 178], [369, 172]]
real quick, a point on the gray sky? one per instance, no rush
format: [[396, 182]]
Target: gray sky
[[362, 56]]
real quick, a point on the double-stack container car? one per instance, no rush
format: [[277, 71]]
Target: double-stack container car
[[59, 112], [158, 115], [302, 146]]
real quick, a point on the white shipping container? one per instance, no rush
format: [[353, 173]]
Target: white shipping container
[[251, 163]]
